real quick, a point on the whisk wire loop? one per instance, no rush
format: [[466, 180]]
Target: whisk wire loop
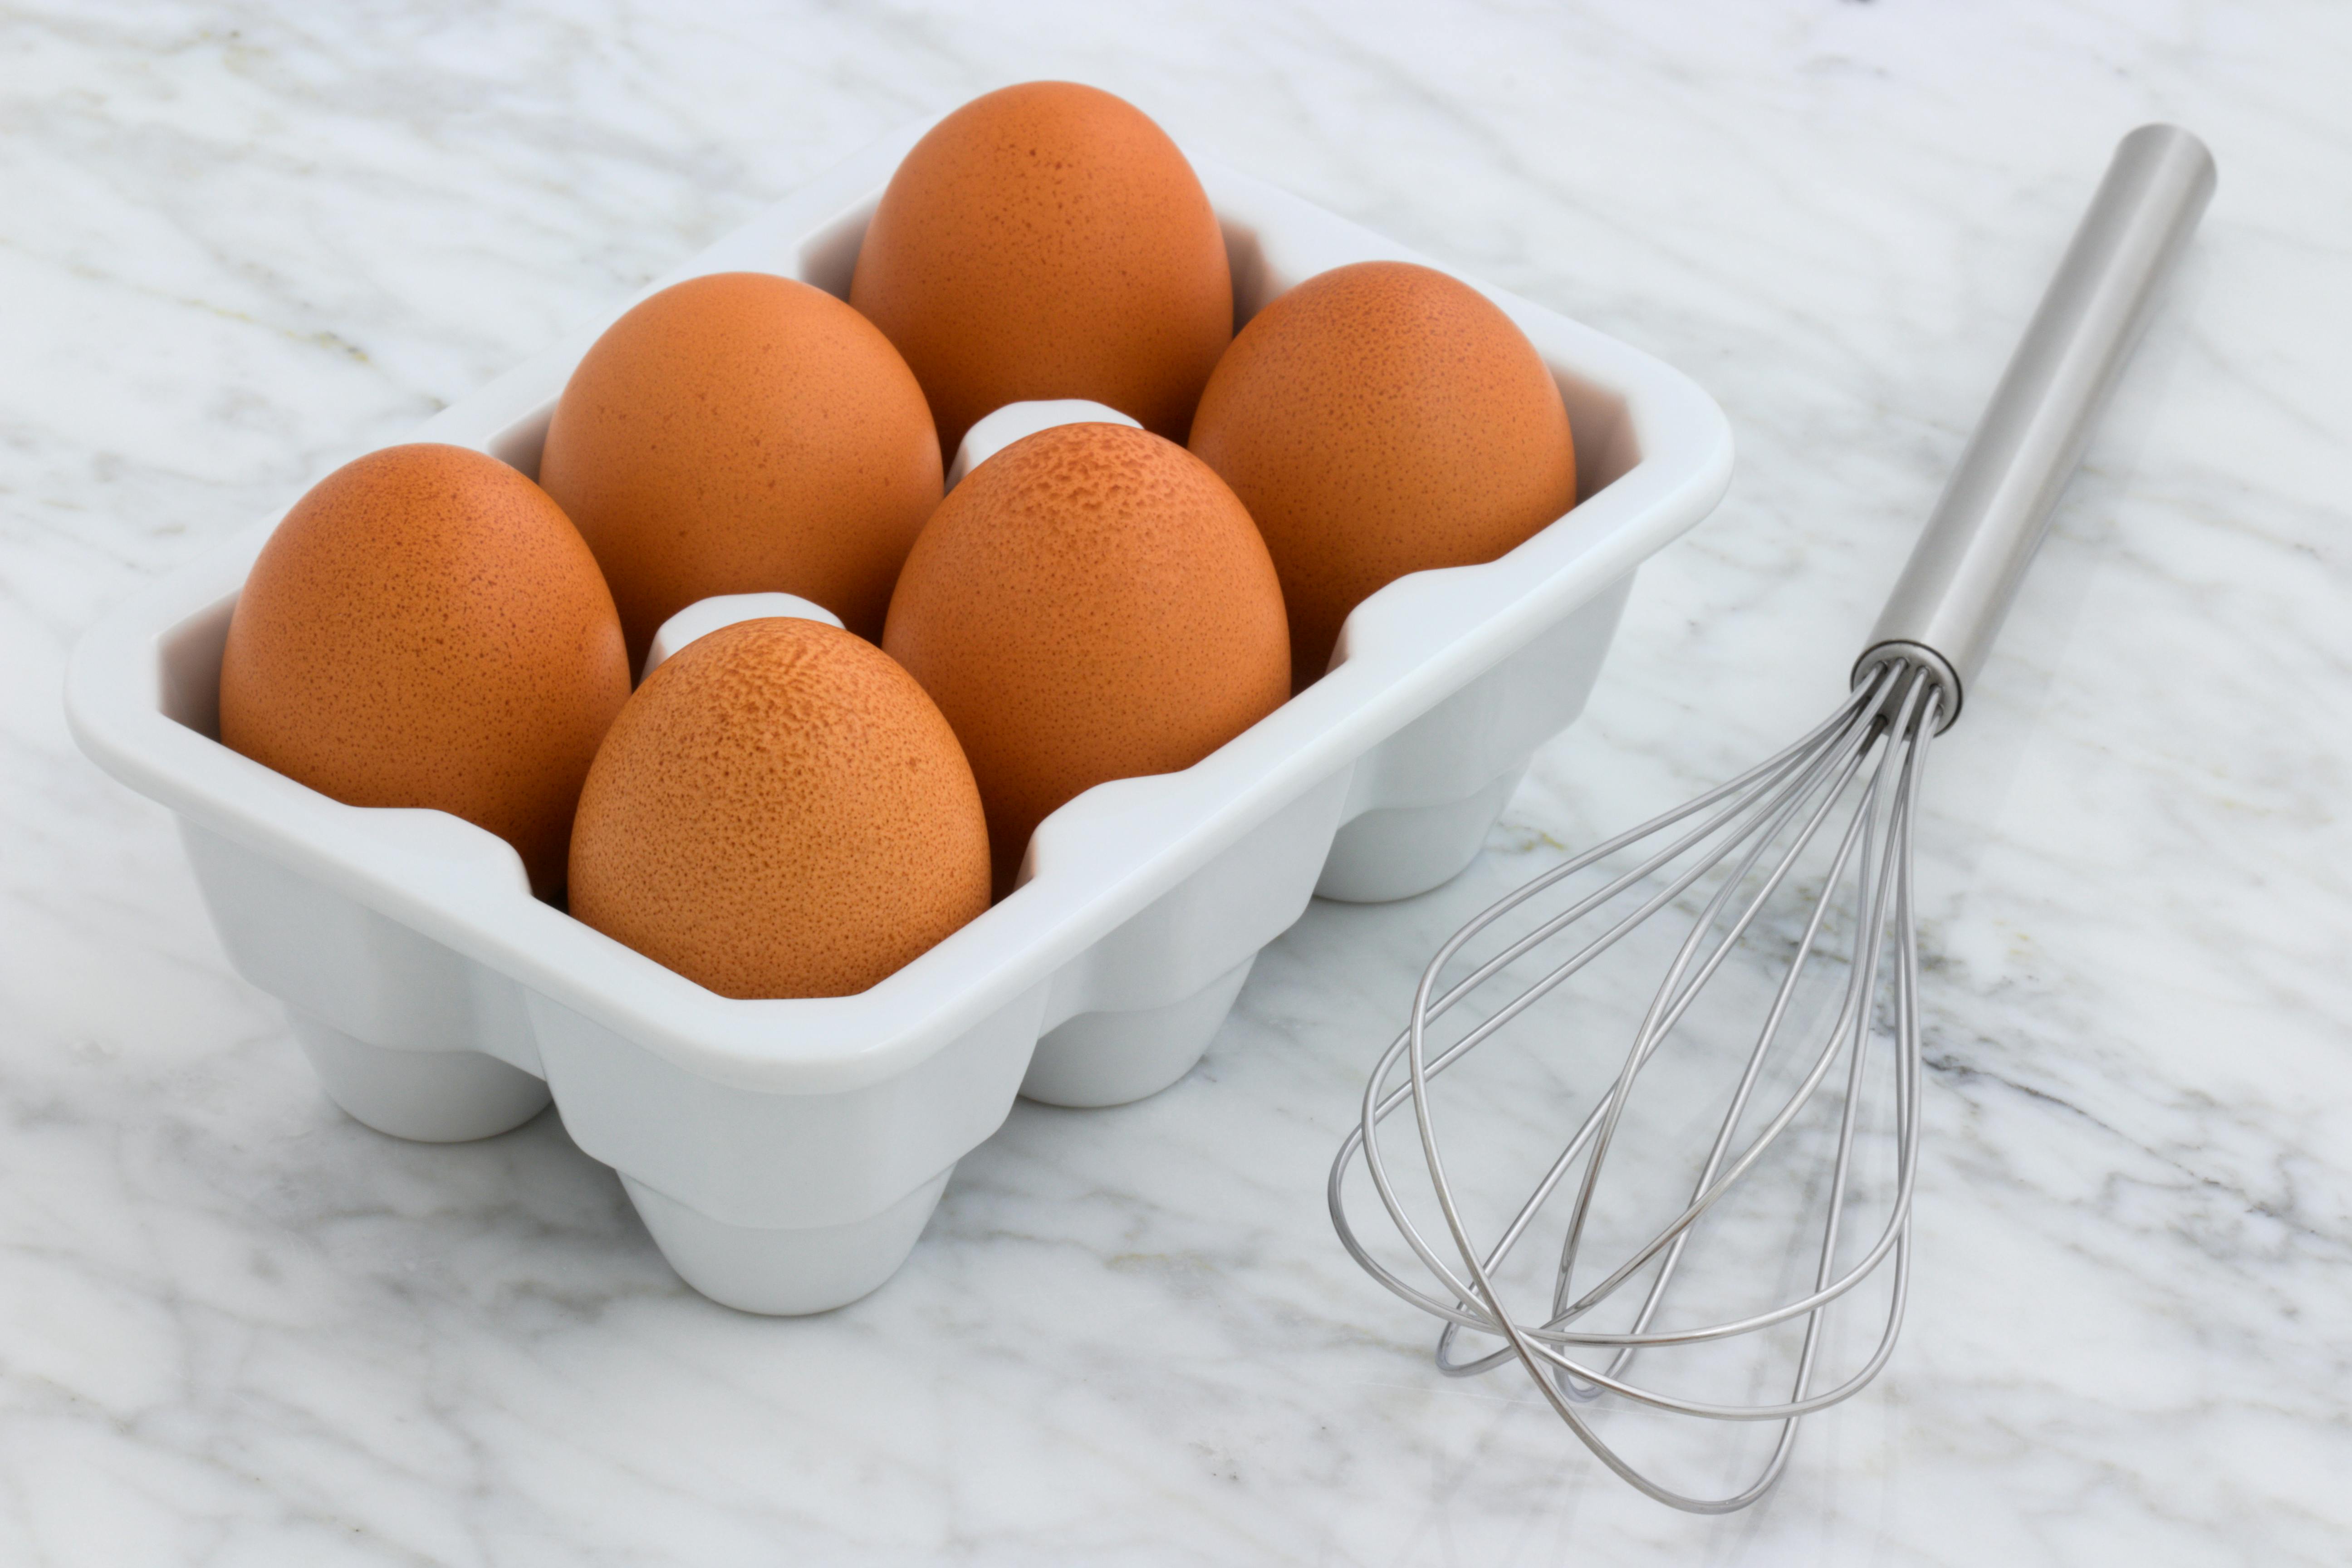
[[1867, 757]]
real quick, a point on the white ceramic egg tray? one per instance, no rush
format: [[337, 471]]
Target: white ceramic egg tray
[[786, 1154]]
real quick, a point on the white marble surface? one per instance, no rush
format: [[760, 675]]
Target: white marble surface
[[242, 243]]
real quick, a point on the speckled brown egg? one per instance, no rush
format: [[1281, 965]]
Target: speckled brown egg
[[1046, 241], [780, 811], [424, 628], [1089, 604], [743, 433], [1378, 419]]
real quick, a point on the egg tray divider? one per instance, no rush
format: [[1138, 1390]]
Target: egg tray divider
[[786, 1154]]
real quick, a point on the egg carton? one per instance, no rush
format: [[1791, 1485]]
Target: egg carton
[[786, 1154]]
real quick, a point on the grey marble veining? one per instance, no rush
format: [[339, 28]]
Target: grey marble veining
[[244, 243]]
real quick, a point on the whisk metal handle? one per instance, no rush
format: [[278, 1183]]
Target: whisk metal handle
[[1968, 564]]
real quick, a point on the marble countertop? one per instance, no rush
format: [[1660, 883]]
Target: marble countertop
[[242, 244]]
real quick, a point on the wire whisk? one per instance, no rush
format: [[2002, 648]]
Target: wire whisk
[[1847, 793]]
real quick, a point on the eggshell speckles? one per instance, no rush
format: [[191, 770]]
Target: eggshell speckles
[[425, 628], [1378, 419], [739, 434], [1049, 241], [1090, 604], [780, 811]]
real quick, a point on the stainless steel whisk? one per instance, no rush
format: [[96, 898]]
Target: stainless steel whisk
[[1848, 790]]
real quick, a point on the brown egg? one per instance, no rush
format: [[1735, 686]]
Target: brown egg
[[780, 811], [1048, 241], [1089, 604], [740, 434], [425, 628], [1380, 419]]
